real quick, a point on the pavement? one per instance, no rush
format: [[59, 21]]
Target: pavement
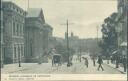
[[46, 68], [13, 68], [121, 69]]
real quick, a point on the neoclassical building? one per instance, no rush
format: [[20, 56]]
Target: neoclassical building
[[47, 35], [1, 36], [13, 32], [37, 34]]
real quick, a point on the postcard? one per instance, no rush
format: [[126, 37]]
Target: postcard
[[63, 40]]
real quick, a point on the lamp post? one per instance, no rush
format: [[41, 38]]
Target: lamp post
[[67, 42], [28, 4], [97, 28], [67, 24], [80, 49], [19, 56], [68, 45]]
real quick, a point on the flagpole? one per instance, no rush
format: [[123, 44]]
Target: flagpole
[[28, 3]]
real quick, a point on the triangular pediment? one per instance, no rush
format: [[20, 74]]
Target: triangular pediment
[[35, 12], [41, 15]]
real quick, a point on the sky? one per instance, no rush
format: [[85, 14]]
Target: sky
[[84, 16]]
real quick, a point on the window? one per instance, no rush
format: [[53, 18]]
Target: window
[[13, 7], [20, 12], [16, 9], [8, 6], [14, 30], [17, 29], [19, 51], [15, 54], [22, 50], [31, 50], [121, 10], [21, 29], [0, 23]]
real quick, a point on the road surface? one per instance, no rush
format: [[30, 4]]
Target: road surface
[[76, 68]]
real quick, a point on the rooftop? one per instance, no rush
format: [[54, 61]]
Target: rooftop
[[33, 12], [48, 26], [12, 3]]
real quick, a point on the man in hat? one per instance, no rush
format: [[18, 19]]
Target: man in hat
[[100, 62]]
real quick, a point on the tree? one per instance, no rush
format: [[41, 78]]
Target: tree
[[62, 49], [109, 38]]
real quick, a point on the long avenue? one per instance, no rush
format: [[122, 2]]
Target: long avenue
[[76, 68]]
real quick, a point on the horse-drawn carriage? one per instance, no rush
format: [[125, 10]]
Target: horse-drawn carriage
[[56, 60]]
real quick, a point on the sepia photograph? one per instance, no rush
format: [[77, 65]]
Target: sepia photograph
[[63, 37]]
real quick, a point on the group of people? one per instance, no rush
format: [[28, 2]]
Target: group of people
[[99, 61], [119, 60]]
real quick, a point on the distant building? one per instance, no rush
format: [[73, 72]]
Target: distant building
[[54, 41], [71, 37], [73, 41], [37, 35], [13, 23]]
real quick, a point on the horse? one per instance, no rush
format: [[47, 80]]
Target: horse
[[56, 60]]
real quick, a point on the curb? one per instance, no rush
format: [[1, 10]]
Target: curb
[[20, 70], [116, 69], [27, 68]]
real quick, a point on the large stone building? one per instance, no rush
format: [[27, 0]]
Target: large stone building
[[122, 25], [14, 20], [47, 37], [37, 35], [1, 35]]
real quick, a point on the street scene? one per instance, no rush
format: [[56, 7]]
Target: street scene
[[64, 36], [76, 68]]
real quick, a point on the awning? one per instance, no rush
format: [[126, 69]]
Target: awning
[[123, 44], [114, 52]]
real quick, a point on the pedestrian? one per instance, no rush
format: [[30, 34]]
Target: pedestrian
[[86, 62], [112, 59], [117, 61], [94, 61], [100, 62], [124, 61]]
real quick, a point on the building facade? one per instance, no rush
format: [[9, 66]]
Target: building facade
[[74, 41], [1, 35], [122, 25], [47, 37], [13, 23], [37, 34]]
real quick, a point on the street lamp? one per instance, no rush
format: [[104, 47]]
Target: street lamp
[[19, 57], [68, 46], [80, 49], [67, 23]]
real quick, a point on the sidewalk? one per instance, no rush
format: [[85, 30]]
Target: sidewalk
[[15, 67], [121, 69]]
